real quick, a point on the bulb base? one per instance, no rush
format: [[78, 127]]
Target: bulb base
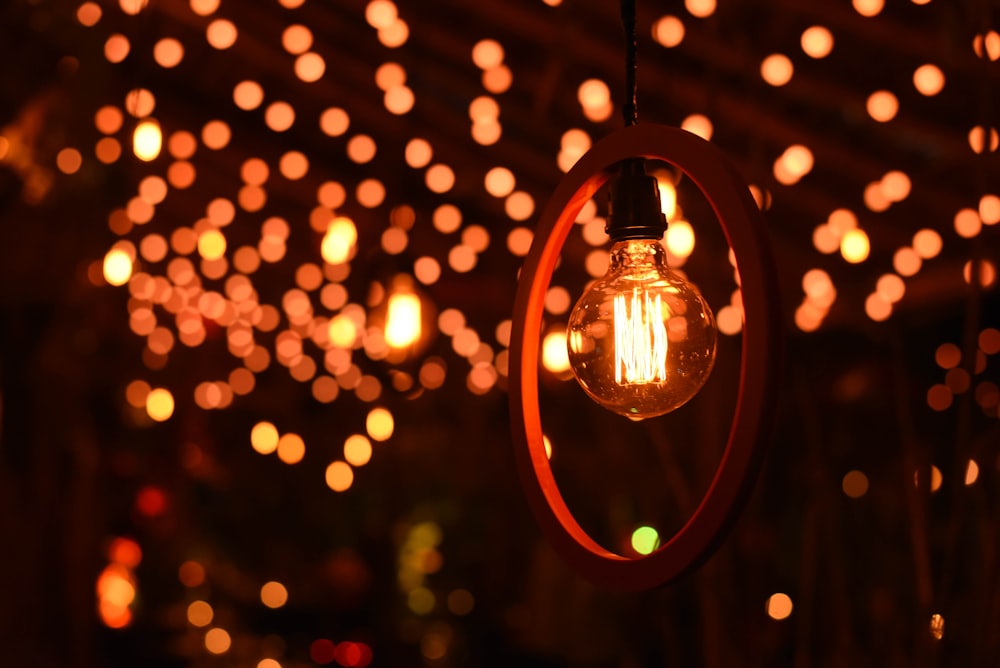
[[634, 210]]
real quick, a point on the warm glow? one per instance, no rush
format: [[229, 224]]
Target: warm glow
[[928, 80], [777, 69], [554, 355], [779, 606], [273, 594], [160, 404], [117, 267], [296, 39], [200, 613], [212, 244], [700, 8], [338, 242], [680, 238], [357, 450], [817, 42], [217, 641], [854, 484], [221, 34], [168, 52], [334, 121], [279, 116], [487, 54], [291, 448], [989, 209], [882, 106], [379, 424], [499, 182], [147, 140], [339, 476], [668, 31], [854, 246], [895, 186], [402, 320], [868, 7], [640, 338], [698, 125], [342, 331], [264, 438]]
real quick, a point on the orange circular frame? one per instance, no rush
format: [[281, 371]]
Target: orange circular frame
[[743, 225]]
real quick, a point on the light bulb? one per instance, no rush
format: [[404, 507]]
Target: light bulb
[[641, 339]]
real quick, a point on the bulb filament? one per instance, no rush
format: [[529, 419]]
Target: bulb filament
[[640, 339]]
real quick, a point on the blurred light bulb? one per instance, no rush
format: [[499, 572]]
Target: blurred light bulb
[[402, 320], [405, 316], [641, 339]]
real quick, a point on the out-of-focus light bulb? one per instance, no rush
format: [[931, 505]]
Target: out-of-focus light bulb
[[402, 320], [641, 339], [405, 315]]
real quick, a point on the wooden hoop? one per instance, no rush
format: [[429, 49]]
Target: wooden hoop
[[743, 225]]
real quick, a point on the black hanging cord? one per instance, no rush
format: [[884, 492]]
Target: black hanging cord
[[629, 112]]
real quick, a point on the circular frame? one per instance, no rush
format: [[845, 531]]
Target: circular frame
[[743, 226]]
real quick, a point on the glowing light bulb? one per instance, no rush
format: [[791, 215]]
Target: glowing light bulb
[[641, 339], [405, 316], [402, 320]]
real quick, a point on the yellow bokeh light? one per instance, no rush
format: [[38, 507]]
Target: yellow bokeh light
[[160, 404], [680, 238], [117, 267], [379, 424], [342, 331], [338, 242], [854, 246], [555, 357], [212, 244], [421, 600], [264, 438], [273, 594], [357, 450], [147, 140], [645, 540]]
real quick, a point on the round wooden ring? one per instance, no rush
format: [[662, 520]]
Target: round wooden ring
[[742, 223]]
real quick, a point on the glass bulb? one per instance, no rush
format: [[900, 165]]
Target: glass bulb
[[641, 340]]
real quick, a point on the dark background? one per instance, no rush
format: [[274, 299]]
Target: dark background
[[865, 574]]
